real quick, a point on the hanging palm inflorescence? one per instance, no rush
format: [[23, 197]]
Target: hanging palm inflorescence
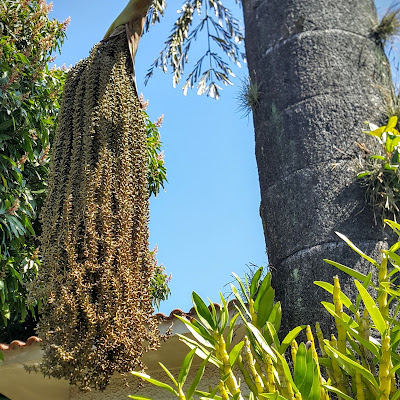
[[96, 262]]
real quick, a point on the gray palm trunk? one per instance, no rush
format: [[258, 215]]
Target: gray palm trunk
[[320, 76]]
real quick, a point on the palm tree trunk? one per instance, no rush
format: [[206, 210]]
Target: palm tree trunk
[[320, 76]]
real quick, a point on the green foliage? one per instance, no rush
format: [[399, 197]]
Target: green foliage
[[361, 363], [29, 101], [224, 42], [159, 288], [157, 173], [381, 174], [30, 96]]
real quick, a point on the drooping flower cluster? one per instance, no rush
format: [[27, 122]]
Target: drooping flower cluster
[[96, 263]]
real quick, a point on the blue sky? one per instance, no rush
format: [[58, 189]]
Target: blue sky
[[207, 223]]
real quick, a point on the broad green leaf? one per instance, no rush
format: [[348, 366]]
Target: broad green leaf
[[255, 281], [1, 356], [185, 368], [265, 307], [275, 316], [315, 391], [377, 132], [290, 337], [366, 283], [373, 310], [203, 312], [394, 226], [197, 379], [355, 366], [347, 270], [395, 247], [337, 391], [154, 382], [391, 123], [265, 284], [300, 367], [357, 250], [235, 352], [329, 288]]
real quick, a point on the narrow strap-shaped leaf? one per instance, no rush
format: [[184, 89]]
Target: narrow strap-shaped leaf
[[205, 340], [373, 348], [201, 351], [300, 367], [273, 334], [255, 282], [342, 359], [357, 250], [272, 396], [337, 391], [185, 368], [166, 370], [290, 337], [196, 380], [265, 307], [373, 310], [154, 382], [240, 300], [203, 312], [286, 370], [244, 293], [329, 288], [260, 340], [275, 317], [265, 284], [349, 271], [366, 283], [235, 352], [315, 392], [232, 323], [139, 397]]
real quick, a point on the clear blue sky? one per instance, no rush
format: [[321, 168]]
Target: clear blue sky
[[207, 223]]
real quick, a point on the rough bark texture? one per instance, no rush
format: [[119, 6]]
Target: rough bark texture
[[320, 76]]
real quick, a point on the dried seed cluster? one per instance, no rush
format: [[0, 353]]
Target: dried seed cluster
[[96, 262]]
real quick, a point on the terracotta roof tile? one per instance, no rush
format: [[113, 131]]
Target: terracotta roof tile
[[16, 344]]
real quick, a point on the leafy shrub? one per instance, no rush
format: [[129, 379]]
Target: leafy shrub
[[381, 174], [29, 100], [30, 96], [360, 363]]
